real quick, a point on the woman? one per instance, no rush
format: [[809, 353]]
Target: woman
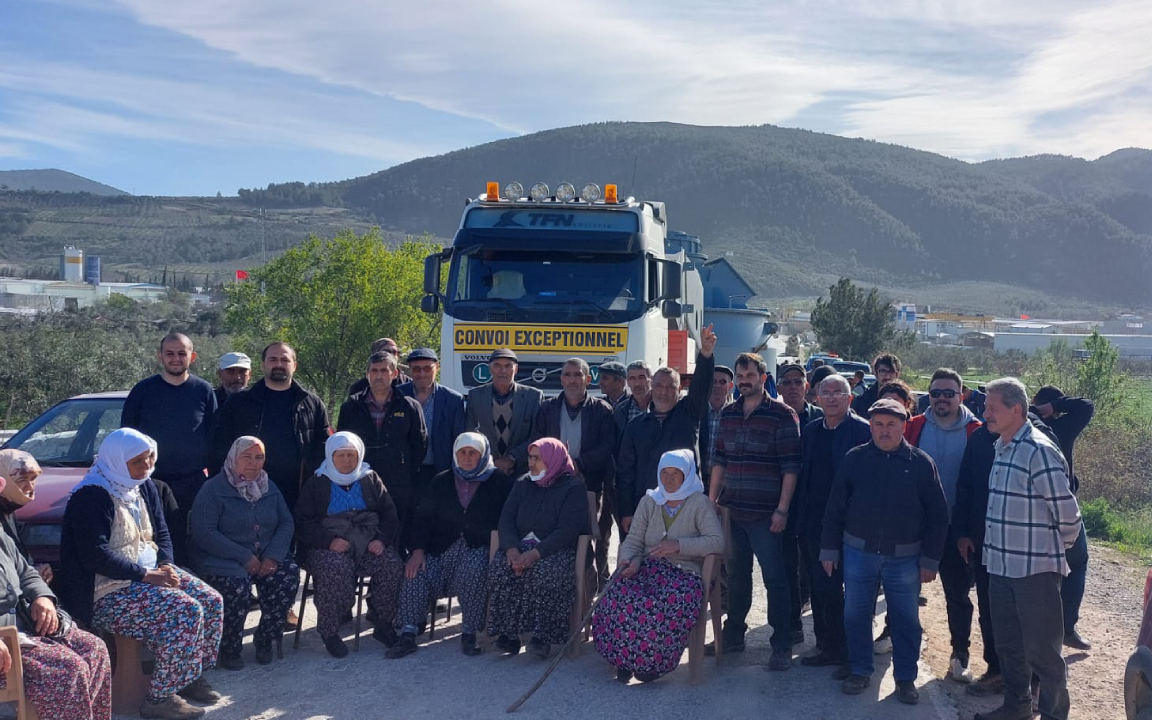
[[117, 575], [899, 391], [240, 534], [643, 623], [347, 522], [533, 575], [451, 532], [67, 674], [21, 470]]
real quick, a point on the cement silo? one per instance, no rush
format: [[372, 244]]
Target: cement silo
[[72, 265]]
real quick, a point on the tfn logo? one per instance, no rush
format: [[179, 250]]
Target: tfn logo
[[508, 219], [551, 219]]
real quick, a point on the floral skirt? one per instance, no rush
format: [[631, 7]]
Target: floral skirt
[[643, 623]]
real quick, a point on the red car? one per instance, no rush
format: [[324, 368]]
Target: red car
[[63, 440]]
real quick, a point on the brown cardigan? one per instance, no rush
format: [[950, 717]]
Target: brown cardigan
[[696, 527], [312, 509]]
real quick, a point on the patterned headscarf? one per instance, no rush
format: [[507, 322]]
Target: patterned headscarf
[[685, 462], [340, 441], [12, 463], [484, 468], [251, 489], [556, 459], [110, 471]]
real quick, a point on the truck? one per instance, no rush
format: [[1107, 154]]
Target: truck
[[554, 275]]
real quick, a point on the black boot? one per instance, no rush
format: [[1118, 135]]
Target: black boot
[[406, 645]]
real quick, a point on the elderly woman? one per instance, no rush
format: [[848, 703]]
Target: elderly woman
[[643, 623], [117, 575], [533, 580], [347, 523], [67, 675], [451, 531], [21, 471], [241, 530]]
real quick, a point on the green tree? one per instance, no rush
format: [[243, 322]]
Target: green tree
[[1097, 377], [853, 323], [330, 299]]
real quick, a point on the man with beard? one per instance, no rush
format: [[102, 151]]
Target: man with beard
[[639, 379], [176, 409], [234, 373]]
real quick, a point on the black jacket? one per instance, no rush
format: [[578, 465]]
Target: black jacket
[[440, 519], [84, 550], [889, 503], [313, 508], [556, 515], [597, 436], [646, 439], [447, 422], [396, 449], [812, 490], [861, 404], [1073, 415]]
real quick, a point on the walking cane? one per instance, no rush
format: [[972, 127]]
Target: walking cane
[[564, 650]]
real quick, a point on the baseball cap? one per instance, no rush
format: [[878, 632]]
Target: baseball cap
[[503, 353], [888, 406], [789, 367], [423, 354], [235, 359], [614, 368]]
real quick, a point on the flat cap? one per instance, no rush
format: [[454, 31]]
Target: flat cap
[[503, 353], [888, 406], [423, 354], [614, 368]]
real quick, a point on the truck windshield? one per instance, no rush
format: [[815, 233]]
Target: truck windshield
[[546, 286]]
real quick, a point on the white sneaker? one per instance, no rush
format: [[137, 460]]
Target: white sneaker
[[959, 672], [883, 644]]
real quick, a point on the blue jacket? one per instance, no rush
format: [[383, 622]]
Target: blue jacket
[[813, 490], [225, 530], [447, 422]]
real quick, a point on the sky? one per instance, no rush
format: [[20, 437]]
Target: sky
[[210, 96]]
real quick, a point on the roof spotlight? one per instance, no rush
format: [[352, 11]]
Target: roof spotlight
[[590, 193], [513, 191], [538, 192], [565, 192]]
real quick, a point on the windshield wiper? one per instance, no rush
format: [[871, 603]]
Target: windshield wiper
[[579, 301]]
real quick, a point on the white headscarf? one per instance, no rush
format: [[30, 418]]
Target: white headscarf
[[12, 463], [341, 441], [685, 462], [484, 467], [110, 471]]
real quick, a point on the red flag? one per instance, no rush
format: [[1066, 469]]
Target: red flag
[[1022, 317], [241, 274]]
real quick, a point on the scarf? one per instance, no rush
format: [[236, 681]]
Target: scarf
[[484, 468], [342, 441], [13, 463], [685, 462], [110, 471], [251, 489], [556, 460]]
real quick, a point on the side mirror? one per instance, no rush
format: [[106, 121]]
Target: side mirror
[[432, 275], [671, 309], [771, 328], [430, 304], [671, 289]]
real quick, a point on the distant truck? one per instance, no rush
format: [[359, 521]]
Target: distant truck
[[554, 275]]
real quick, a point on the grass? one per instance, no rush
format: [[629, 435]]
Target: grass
[[1126, 530]]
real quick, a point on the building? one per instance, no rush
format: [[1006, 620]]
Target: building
[[1130, 346], [53, 295]]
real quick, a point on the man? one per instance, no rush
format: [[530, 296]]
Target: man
[[614, 382], [754, 476], [793, 386], [886, 368], [585, 425], [292, 422], [1032, 519], [443, 410], [503, 411], [718, 399], [234, 372], [857, 383], [389, 346], [639, 380], [825, 442], [943, 434], [671, 423], [177, 410], [974, 401], [1068, 417], [391, 424], [885, 524]]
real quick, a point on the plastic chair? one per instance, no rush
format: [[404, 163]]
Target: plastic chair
[[711, 578], [586, 580], [13, 690], [360, 583], [129, 680]]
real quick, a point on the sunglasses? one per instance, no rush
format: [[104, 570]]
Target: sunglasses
[[943, 393]]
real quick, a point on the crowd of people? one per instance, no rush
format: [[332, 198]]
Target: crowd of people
[[205, 496]]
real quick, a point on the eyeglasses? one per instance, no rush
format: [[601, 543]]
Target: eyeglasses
[[943, 393], [833, 394]]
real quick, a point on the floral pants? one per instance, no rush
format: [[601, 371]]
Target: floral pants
[[180, 625], [335, 576], [275, 593], [68, 679], [461, 571], [538, 602]]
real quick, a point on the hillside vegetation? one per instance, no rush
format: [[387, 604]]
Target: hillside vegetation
[[53, 181]]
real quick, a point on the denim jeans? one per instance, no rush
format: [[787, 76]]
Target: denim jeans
[[1072, 589], [864, 573], [750, 539]]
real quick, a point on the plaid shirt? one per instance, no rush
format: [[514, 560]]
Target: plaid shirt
[[1032, 514], [756, 453], [713, 420]]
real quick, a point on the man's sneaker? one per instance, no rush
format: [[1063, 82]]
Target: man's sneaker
[[821, 659], [883, 644], [1073, 640], [843, 672], [172, 707], [906, 692], [730, 646], [406, 645], [986, 685], [335, 646], [200, 691], [780, 660], [958, 670], [468, 644], [854, 684]]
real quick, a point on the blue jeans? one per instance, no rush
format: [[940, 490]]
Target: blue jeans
[[864, 573], [1072, 590], [757, 539]]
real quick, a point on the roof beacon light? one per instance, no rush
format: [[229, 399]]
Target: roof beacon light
[[565, 192], [590, 193], [610, 194], [539, 192], [513, 191], [493, 192]]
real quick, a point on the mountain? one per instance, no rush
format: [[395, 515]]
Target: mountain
[[53, 181]]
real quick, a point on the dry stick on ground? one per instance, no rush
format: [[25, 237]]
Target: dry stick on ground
[[564, 649]]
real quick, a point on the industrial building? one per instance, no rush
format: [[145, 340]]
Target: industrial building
[[81, 286]]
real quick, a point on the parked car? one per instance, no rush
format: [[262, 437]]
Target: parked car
[[63, 440]]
